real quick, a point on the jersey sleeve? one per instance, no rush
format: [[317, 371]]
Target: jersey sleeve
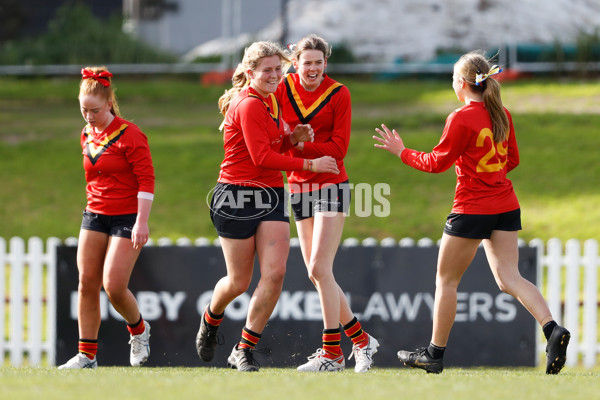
[[337, 145], [452, 144], [255, 120], [138, 155]]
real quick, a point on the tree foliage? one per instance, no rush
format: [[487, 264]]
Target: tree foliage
[[75, 36]]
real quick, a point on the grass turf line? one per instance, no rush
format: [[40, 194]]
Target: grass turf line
[[274, 383]]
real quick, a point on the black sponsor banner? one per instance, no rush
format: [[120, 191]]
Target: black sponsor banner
[[391, 290]]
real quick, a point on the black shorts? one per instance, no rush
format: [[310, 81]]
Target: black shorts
[[334, 198], [112, 225], [480, 226], [237, 210]]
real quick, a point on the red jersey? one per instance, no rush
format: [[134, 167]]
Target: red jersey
[[117, 166], [481, 164], [328, 110], [254, 139]]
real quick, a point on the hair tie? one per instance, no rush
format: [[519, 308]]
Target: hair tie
[[101, 77], [292, 46], [482, 77]]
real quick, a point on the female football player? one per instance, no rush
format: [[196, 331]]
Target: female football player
[[255, 136], [320, 201], [480, 138], [120, 190]]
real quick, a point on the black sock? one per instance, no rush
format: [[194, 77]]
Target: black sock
[[136, 324], [435, 351], [213, 315], [548, 328]]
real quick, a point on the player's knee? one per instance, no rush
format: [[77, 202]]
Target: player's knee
[[89, 286], [318, 274], [115, 291], [447, 283], [277, 274], [240, 284]]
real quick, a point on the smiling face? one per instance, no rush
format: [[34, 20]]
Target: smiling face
[[96, 111], [266, 76], [310, 67]]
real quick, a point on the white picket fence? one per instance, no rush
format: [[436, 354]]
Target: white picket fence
[[567, 275], [31, 293]]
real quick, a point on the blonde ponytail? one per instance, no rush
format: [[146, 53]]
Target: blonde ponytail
[[240, 81], [493, 103]]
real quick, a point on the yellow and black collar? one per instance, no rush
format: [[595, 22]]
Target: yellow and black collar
[[304, 113], [275, 112], [94, 152]]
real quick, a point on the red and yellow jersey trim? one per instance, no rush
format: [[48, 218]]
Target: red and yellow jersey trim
[[94, 152]]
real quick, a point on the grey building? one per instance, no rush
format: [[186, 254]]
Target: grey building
[[180, 25]]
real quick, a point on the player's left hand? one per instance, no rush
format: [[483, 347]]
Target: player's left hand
[[139, 235], [390, 140]]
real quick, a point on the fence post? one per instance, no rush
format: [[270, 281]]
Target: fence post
[[573, 263], [51, 245], [538, 244], [17, 268], [35, 255], [554, 260], [3, 263], [590, 303]]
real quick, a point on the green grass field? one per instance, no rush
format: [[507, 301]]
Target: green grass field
[[270, 383], [43, 188]]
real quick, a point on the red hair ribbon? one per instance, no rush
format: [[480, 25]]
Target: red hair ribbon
[[101, 77]]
